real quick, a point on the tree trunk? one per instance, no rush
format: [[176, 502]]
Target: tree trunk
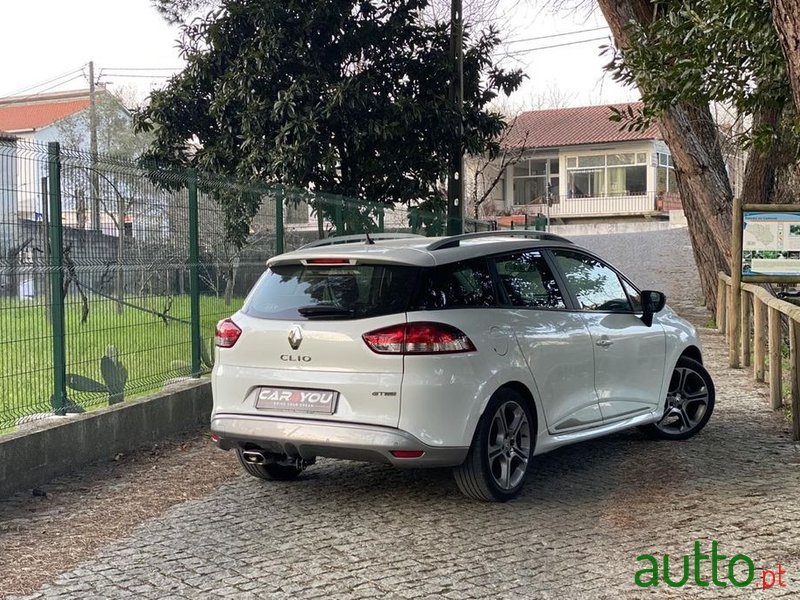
[[703, 181], [786, 18], [758, 183]]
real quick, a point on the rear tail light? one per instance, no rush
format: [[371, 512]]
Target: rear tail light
[[418, 338], [227, 334]]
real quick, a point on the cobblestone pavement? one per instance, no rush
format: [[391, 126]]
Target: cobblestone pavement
[[350, 530]]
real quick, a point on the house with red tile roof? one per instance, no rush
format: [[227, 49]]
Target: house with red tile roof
[[43, 118], [37, 117], [587, 165], [34, 114]]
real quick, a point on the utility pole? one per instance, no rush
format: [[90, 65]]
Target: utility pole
[[95, 185], [455, 180]]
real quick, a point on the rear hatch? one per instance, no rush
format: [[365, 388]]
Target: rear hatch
[[301, 353]]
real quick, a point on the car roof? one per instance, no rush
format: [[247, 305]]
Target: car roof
[[424, 251]]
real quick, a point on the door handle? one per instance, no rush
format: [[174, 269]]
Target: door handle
[[604, 343]]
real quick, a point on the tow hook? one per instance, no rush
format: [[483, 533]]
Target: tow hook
[[302, 464]]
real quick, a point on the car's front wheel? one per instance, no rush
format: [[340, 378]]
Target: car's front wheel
[[689, 402], [271, 471], [497, 463]]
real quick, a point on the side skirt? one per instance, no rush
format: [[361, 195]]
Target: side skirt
[[547, 442]]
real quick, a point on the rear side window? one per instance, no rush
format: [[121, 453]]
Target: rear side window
[[528, 281], [456, 285], [332, 292]]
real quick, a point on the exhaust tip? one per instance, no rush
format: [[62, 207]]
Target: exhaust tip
[[253, 457]]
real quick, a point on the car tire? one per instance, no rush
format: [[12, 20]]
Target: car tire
[[498, 460], [689, 403], [269, 471]]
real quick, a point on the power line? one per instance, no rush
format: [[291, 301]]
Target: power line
[[556, 35], [529, 50], [104, 74], [142, 69], [52, 87], [48, 81]]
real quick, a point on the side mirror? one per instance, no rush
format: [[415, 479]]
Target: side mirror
[[652, 302]]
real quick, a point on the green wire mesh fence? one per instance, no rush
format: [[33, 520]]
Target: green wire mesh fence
[[114, 274]]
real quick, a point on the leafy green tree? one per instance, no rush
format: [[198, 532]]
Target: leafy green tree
[[348, 97], [179, 11], [786, 19], [684, 55], [705, 51]]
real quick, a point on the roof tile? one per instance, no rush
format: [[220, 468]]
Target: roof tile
[[559, 127], [25, 117]]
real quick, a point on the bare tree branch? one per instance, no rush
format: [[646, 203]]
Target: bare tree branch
[[509, 156]]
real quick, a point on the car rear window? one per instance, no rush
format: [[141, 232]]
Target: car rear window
[[332, 292]]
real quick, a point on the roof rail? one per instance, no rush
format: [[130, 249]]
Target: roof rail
[[455, 240], [356, 238]]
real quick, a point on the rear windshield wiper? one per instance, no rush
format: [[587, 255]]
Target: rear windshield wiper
[[325, 310]]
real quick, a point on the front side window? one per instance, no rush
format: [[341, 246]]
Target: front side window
[[456, 285], [596, 286], [528, 281], [634, 296]]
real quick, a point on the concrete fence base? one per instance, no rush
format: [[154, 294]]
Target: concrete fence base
[[59, 446], [578, 229]]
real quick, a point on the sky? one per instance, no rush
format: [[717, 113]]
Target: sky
[[133, 48]]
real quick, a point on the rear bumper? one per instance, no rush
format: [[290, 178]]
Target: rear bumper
[[308, 438]]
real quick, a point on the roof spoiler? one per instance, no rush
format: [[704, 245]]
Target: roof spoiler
[[355, 239]]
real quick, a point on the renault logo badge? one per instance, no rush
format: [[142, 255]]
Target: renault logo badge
[[295, 337]]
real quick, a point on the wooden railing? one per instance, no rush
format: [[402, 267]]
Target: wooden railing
[[764, 341]]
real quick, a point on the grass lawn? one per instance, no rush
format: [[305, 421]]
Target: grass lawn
[[147, 347]]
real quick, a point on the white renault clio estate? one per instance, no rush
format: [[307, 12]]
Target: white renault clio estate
[[475, 351]]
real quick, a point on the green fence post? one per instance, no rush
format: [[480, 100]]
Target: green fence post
[[338, 217], [381, 212], [279, 219], [194, 270], [59, 401]]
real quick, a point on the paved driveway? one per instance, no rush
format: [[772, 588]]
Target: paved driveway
[[348, 530]]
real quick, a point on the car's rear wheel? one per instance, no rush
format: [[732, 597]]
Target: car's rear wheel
[[497, 463], [689, 402], [271, 471]]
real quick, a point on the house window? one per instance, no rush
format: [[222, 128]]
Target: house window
[[666, 182], [531, 178], [617, 174], [585, 183]]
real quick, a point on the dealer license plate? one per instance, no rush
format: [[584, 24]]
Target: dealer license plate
[[306, 401]]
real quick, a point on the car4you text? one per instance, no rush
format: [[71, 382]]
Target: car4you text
[[713, 569]]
